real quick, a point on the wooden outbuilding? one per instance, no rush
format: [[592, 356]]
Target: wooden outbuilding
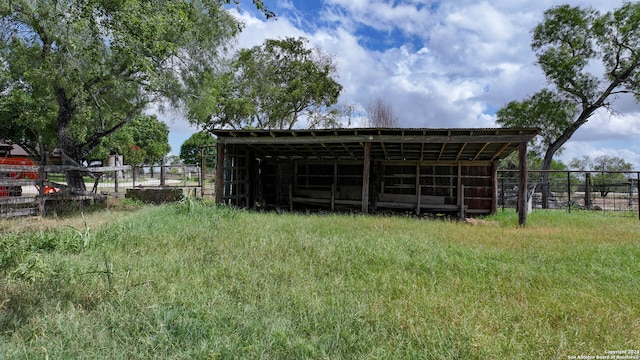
[[424, 170]]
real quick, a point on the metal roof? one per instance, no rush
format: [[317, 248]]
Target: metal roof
[[455, 144]]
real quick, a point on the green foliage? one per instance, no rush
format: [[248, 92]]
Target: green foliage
[[600, 163], [568, 42], [267, 87], [190, 152], [611, 169], [186, 281], [25, 119], [144, 140], [545, 110], [89, 68]]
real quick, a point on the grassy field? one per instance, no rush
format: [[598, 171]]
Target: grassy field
[[194, 281]]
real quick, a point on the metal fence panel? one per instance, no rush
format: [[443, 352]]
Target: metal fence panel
[[590, 190]]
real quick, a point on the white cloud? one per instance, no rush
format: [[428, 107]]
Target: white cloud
[[461, 61]]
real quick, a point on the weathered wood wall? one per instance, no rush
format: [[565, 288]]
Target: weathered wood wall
[[403, 185]]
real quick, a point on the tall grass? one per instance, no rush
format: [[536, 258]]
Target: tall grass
[[199, 281]]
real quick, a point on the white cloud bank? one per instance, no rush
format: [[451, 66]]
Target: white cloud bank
[[438, 63]]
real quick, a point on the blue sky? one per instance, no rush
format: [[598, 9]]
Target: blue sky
[[436, 63]]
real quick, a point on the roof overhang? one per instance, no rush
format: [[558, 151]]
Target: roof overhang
[[456, 144]]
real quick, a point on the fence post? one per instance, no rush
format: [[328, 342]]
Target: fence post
[[117, 174], [502, 197], [569, 191], [638, 184], [203, 173], [587, 191], [162, 172], [41, 200], [522, 185]]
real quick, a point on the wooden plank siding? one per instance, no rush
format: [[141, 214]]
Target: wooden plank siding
[[433, 170]]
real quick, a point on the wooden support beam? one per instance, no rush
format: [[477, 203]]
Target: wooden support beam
[[460, 151], [638, 184], [494, 187], [463, 214], [480, 151], [522, 184], [219, 177], [418, 188], [460, 194], [366, 174], [334, 185], [499, 152]]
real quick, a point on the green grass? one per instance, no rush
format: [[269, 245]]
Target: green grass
[[196, 281]]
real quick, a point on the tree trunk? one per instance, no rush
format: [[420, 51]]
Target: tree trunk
[[544, 178], [67, 145]]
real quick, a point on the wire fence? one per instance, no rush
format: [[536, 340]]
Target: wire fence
[[606, 191], [22, 186], [27, 190]]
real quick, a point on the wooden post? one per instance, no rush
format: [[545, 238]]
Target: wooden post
[[494, 187], [638, 183], [116, 181], [41, 198], [133, 175], [569, 191], [418, 188], [219, 180], [184, 175], [522, 185], [463, 215], [334, 185], [366, 172], [333, 197], [460, 191], [290, 197], [203, 173], [587, 191], [162, 169]]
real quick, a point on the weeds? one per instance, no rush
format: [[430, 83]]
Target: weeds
[[84, 234], [195, 280]]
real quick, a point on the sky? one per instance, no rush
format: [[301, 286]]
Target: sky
[[435, 63]]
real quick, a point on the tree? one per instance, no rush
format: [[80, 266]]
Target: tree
[[190, 149], [546, 110], [568, 44], [611, 169], [144, 140], [25, 119], [381, 115], [86, 69], [267, 87]]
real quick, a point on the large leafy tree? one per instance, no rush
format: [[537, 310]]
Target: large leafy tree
[[190, 150], [84, 69], [546, 110], [25, 119], [271, 86], [144, 140], [571, 43]]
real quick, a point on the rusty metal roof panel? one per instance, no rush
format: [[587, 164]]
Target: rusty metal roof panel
[[456, 144]]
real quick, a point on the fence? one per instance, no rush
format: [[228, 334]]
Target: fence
[[24, 189], [608, 191]]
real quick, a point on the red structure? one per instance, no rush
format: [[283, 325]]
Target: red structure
[[16, 173]]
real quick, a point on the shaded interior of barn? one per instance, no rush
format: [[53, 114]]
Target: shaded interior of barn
[[423, 170]]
